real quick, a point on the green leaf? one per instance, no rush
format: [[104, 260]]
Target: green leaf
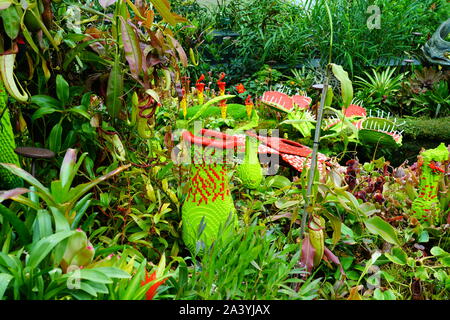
[[336, 224], [81, 111], [43, 247], [424, 236], [163, 8], [5, 278], [94, 275], [135, 282], [42, 111], [346, 84], [115, 89], [438, 252], [445, 261], [397, 256], [278, 182], [46, 101], [113, 272], [17, 224], [11, 21], [62, 89], [54, 139], [378, 226]]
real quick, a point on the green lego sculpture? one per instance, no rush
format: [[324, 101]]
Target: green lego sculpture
[[208, 208], [426, 206]]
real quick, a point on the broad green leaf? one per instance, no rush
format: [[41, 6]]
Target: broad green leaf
[[94, 275], [336, 224], [438, 252], [62, 89], [378, 226], [11, 21], [278, 182], [43, 247], [346, 84], [113, 272], [163, 8], [115, 89], [46, 101], [54, 139], [5, 278], [397, 256], [42, 111]]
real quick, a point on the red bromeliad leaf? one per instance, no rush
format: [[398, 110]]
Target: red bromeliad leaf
[[301, 101], [152, 291], [355, 111], [308, 253], [278, 100]]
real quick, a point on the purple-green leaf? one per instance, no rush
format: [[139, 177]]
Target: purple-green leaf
[[12, 193], [67, 167], [330, 256], [308, 252], [132, 48]]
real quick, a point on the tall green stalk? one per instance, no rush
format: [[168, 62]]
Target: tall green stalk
[[313, 165]]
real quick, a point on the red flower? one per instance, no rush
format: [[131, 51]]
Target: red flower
[[240, 88], [221, 84], [200, 85], [152, 290]]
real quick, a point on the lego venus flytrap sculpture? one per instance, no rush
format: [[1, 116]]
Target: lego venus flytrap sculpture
[[426, 206]]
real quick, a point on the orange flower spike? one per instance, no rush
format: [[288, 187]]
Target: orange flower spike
[[222, 104], [152, 290], [249, 105], [240, 88], [183, 103], [200, 87]]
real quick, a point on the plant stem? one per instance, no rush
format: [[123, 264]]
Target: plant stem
[[313, 164]]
